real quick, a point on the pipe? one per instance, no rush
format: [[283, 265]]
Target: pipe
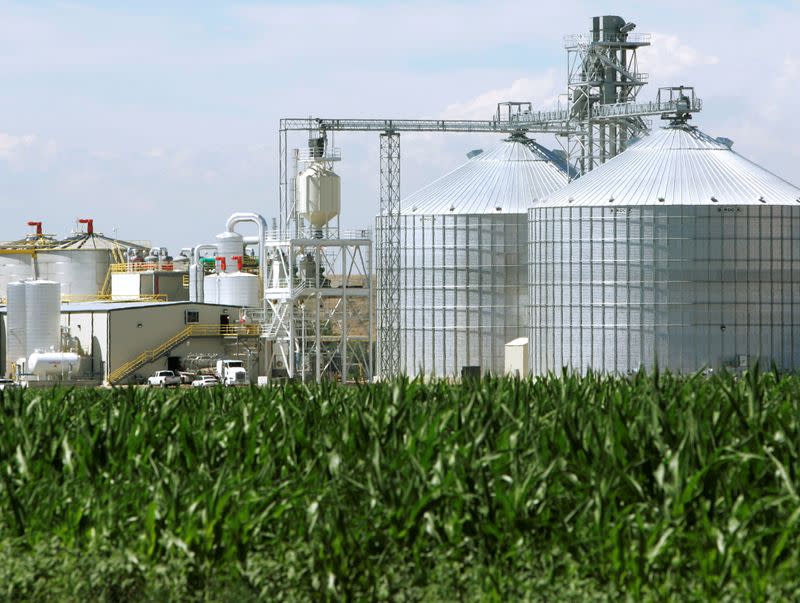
[[38, 226], [259, 221], [196, 294], [239, 261], [223, 265], [89, 224]]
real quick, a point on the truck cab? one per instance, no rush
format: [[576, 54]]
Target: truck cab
[[232, 372]]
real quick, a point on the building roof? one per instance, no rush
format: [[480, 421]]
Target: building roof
[[111, 306], [511, 177], [677, 165]]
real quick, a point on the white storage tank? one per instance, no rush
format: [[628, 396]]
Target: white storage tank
[[239, 289], [16, 337], [464, 275], [53, 364], [679, 253], [211, 288], [42, 316], [229, 246], [318, 195]]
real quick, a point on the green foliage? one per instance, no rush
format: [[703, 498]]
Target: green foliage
[[648, 487]]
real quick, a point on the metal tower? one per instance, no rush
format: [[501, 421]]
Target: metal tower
[[603, 70], [389, 257]]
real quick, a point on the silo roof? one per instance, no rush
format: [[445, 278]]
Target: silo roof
[[507, 179], [677, 165]]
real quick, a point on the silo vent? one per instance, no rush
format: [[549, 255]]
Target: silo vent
[[714, 200], [498, 208], [661, 199], [762, 199], [798, 199], [452, 208], [611, 200], [571, 199], [474, 153], [414, 208]]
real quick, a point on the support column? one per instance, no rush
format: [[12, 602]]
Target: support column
[[389, 256]]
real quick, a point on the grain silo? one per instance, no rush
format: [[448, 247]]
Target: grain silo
[[463, 280], [679, 252]]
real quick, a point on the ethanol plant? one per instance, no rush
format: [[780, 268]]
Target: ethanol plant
[[678, 253], [463, 242]]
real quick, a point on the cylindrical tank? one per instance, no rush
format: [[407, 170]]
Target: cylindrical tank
[[196, 283], [53, 364], [678, 253], [318, 195], [211, 288], [16, 337], [463, 259], [239, 289], [229, 245], [42, 316]]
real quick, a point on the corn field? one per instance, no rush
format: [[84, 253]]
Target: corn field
[[649, 487]]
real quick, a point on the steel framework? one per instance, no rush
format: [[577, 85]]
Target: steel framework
[[320, 312], [603, 84], [389, 257]]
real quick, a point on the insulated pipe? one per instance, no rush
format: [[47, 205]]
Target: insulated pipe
[[259, 221], [196, 294]]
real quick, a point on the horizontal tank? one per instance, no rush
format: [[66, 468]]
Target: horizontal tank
[[53, 364]]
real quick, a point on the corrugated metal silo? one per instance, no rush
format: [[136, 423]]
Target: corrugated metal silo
[[464, 290], [678, 252]]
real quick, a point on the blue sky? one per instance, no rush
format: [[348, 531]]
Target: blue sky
[[159, 119]]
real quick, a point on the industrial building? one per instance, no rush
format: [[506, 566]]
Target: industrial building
[[463, 263], [125, 342], [626, 248], [678, 253]]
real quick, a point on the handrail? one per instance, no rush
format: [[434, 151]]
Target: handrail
[[196, 330]]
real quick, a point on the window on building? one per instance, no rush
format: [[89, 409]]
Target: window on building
[[192, 316]]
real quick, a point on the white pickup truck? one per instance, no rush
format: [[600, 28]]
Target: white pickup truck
[[164, 379]]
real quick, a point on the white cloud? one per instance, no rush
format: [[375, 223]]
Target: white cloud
[[543, 91], [668, 56], [10, 145]]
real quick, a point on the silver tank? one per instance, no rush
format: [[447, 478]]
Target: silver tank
[[678, 253], [464, 289]]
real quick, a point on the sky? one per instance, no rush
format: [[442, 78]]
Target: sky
[[160, 119]]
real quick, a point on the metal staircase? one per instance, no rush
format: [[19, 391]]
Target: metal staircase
[[149, 356]]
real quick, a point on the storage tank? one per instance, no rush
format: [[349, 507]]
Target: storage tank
[[229, 246], [318, 195], [42, 316], [678, 252], [211, 288], [79, 262], [239, 289], [463, 254], [53, 364], [16, 337]]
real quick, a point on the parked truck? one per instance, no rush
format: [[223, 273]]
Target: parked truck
[[164, 379], [232, 372]]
